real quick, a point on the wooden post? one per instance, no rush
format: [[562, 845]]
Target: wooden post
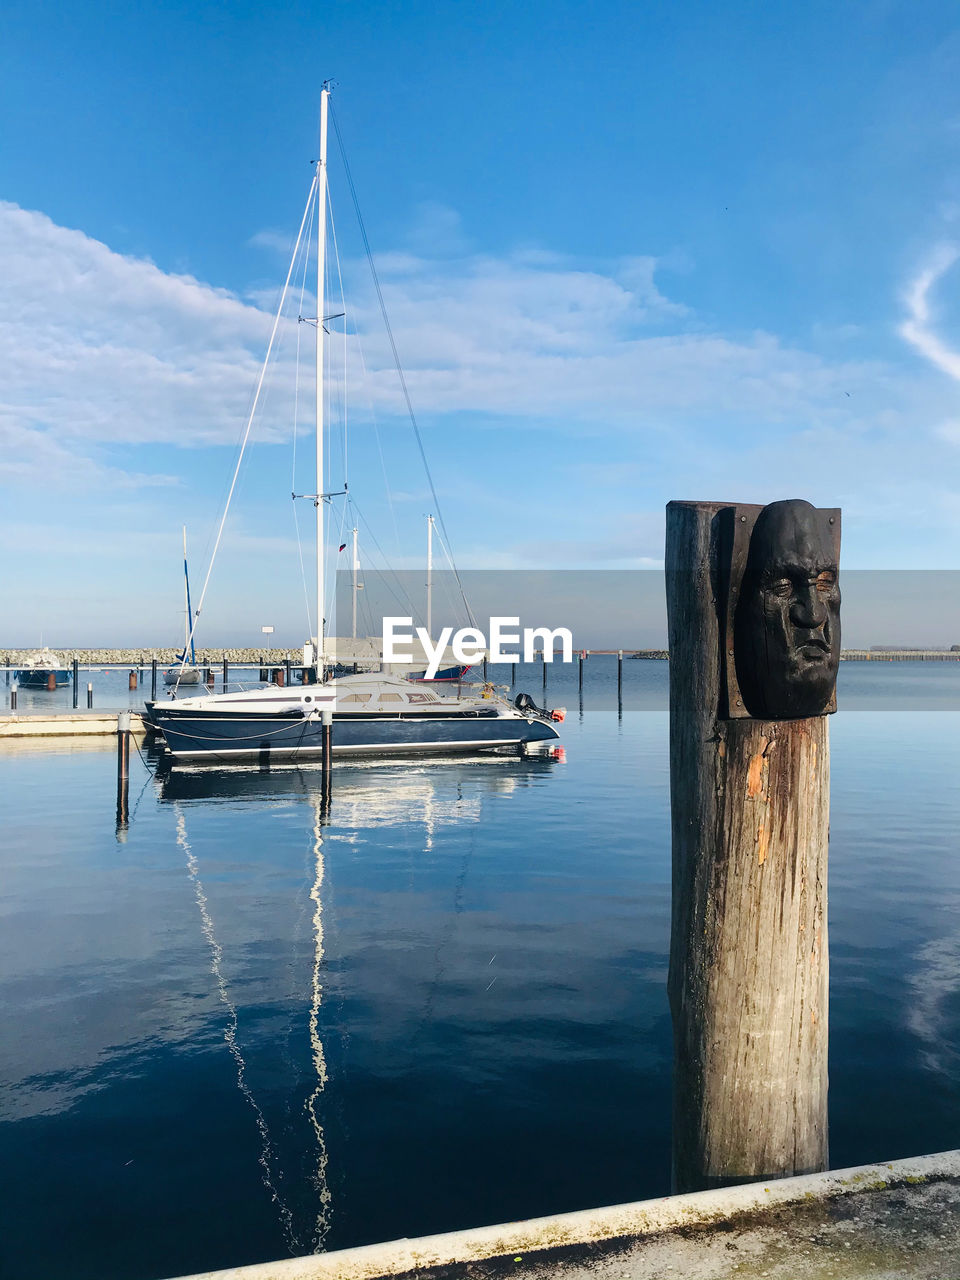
[[76, 683], [748, 953], [226, 674], [208, 677], [326, 719], [123, 767], [153, 679]]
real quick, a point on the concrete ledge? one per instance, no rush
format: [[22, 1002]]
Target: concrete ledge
[[900, 1219], [68, 725]]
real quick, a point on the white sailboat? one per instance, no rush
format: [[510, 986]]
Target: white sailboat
[[372, 714]]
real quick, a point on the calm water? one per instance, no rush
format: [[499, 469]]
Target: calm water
[[239, 1033]]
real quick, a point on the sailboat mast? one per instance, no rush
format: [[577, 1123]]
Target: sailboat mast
[[186, 597], [356, 566], [429, 574], [321, 266]]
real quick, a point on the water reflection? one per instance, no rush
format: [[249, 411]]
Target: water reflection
[[423, 796]]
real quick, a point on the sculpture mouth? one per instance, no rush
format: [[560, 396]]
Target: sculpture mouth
[[814, 650]]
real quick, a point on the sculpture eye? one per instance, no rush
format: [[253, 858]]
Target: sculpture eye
[[826, 581], [781, 587]]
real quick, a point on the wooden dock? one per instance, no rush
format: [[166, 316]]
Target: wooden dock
[[67, 724]]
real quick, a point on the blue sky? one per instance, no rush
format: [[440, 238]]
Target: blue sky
[[632, 252]]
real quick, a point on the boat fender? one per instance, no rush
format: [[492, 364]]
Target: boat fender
[[558, 713]]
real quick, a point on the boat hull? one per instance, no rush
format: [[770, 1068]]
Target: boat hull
[[188, 675], [243, 737], [34, 678]]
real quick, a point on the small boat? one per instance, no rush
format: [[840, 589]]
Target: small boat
[[37, 669], [371, 714], [185, 673], [445, 675]]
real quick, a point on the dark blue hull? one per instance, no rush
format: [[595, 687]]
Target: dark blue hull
[[230, 736], [35, 678], [443, 676]]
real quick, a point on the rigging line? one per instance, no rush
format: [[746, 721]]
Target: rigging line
[[403, 599], [343, 307], [446, 552], [376, 430], [253, 407], [296, 404], [230, 1031], [393, 347]]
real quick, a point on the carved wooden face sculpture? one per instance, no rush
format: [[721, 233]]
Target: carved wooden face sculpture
[[787, 622]]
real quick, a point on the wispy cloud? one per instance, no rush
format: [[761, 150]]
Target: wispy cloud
[[918, 328]]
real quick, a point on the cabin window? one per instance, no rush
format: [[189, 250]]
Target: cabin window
[[355, 697], [391, 697], [422, 697]]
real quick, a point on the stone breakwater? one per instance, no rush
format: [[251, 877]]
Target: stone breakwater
[[143, 657]]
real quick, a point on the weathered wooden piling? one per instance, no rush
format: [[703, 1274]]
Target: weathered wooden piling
[[76, 682], [748, 956], [153, 679], [123, 767]]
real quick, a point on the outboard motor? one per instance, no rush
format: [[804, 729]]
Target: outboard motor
[[523, 702]]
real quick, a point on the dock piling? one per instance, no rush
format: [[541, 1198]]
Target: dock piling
[[132, 680], [89, 696], [226, 674], [123, 768], [543, 659], [619, 675], [51, 682], [153, 680], [326, 720], [580, 672], [750, 807], [76, 683], [288, 672], [13, 696]]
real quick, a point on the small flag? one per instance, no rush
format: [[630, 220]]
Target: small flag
[[343, 546]]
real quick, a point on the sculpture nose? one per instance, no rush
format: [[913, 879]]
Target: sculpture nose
[[808, 610]]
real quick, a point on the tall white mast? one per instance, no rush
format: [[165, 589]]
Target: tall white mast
[[356, 566], [429, 575], [186, 599], [321, 265]]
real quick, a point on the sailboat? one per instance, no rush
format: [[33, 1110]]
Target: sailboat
[[182, 673], [444, 675], [371, 714]]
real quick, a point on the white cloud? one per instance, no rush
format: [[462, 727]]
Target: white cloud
[[918, 327]]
